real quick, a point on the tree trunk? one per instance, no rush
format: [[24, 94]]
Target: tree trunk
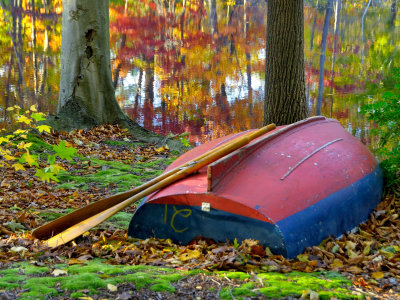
[[86, 92], [393, 14], [213, 17], [285, 98], [338, 8], [87, 95], [322, 57]]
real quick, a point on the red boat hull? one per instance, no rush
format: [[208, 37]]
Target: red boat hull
[[290, 189]]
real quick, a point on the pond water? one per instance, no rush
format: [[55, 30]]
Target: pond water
[[197, 67]]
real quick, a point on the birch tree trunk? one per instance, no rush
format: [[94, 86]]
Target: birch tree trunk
[[285, 97]]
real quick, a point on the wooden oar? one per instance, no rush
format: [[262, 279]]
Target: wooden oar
[[54, 227], [81, 227]]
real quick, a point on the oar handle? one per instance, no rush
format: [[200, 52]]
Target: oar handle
[[89, 223]]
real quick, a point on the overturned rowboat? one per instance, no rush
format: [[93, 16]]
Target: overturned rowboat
[[289, 189]]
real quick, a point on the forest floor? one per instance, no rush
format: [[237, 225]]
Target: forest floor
[[106, 264]]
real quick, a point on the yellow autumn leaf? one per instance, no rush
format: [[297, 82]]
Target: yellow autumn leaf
[[23, 119], [24, 136], [19, 131], [377, 275], [17, 107], [4, 139], [10, 109], [336, 263], [42, 128], [23, 145], [367, 247], [9, 157], [33, 108], [4, 151], [18, 167], [30, 159], [161, 149], [302, 257], [189, 254], [55, 168]]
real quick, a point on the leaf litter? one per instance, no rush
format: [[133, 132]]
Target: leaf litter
[[369, 256]]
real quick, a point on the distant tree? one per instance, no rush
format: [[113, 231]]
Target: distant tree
[[285, 97], [87, 96], [325, 31]]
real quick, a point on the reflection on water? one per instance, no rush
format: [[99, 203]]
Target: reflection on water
[[198, 66]]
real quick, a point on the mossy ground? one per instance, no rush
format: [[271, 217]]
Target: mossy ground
[[26, 280], [328, 285], [90, 278], [123, 176]]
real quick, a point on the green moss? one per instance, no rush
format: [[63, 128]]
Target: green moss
[[141, 279], [124, 143], [171, 277], [9, 271], [29, 269], [102, 178], [38, 145], [234, 275], [84, 281], [245, 290], [120, 220], [66, 186], [96, 274], [40, 287], [77, 295], [8, 285], [162, 286], [294, 283], [53, 214], [272, 291], [12, 278], [225, 293], [125, 176], [98, 266]]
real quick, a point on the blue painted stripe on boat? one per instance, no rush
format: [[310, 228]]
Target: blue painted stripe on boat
[[182, 223], [333, 215]]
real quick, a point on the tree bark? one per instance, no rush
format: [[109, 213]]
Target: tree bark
[[285, 98]]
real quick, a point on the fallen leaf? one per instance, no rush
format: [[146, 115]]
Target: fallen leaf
[[111, 287], [189, 254], [354, 270], [336, 263], [19, 249], [59, 272], [377, 275], [74, 261]]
